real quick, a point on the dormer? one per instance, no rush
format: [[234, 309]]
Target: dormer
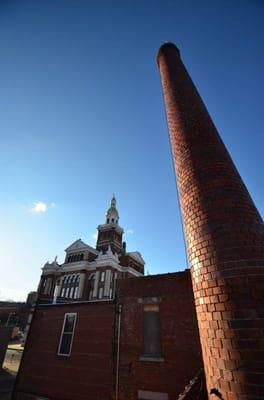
[[80, 251]]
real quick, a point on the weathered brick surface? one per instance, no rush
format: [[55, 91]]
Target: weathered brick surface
[[225, 239], [90, 371], [179, 335], [87, 373]]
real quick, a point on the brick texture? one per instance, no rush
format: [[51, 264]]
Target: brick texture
[[180, 344], [225, 240], [90, 371], [87, 373]]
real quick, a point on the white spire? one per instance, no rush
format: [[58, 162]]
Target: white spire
[[112, 216]]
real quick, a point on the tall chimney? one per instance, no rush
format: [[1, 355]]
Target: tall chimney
[[224, 234]]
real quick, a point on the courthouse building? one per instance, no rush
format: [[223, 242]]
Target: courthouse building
[[102, 330]]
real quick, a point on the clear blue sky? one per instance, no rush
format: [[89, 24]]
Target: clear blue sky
[[82, 116]]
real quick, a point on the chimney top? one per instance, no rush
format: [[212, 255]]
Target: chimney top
[[167, 46]]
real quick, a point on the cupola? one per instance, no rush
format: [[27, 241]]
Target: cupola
[[112, 216]]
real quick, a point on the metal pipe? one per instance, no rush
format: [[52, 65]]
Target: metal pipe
[[118, 349]]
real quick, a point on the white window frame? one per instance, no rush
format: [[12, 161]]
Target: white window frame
[[101, 291], [102, 277], [62, 332]]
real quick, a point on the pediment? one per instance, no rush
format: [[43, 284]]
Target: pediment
[[79, 245], [137, 256]]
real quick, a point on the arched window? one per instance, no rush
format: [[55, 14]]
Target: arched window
[[70, 286], [91, 286]]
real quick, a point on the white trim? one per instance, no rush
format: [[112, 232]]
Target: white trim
[[62, 332], [80, 266], [75, 266], [72, 303]]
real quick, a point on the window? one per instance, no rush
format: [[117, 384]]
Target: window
[[147, 395], [102, 276], [44, 283], [91, 286], [111, 293], [151, 331], [67, 334], [75, 293], [70, 285], [100, 293]]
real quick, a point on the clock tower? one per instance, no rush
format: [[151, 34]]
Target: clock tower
[[110, 233]]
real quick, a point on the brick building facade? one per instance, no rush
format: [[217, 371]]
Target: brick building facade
[[113, 353], [170, 366], [98, 335]]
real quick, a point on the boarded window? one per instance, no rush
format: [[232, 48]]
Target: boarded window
[[67, 334], [147, 395], [151, 331]]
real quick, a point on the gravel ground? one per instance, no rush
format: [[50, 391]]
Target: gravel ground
[[9, 371]]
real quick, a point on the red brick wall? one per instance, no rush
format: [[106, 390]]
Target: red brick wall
[[225, 239], [179, 336], [87, 373]]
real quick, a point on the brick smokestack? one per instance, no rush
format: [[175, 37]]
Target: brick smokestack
[[225, 241]]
